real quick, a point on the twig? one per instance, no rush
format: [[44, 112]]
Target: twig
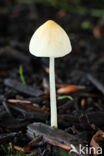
[[19, 101], [22, 88], [60, 145], [96, 83]]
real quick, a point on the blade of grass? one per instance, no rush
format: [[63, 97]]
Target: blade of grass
[[65, 97], [21, 74]]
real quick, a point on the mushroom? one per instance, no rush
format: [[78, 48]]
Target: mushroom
[[50, 40]]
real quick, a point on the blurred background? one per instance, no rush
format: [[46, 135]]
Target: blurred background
[[83, 20]]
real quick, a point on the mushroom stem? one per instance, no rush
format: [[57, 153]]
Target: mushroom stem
[[53, 93]]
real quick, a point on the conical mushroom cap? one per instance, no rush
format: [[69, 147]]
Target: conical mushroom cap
[[50, 40]]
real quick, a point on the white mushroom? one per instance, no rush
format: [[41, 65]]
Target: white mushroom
[[50, 40]]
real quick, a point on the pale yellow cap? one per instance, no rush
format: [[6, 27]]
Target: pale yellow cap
[[50, 40]]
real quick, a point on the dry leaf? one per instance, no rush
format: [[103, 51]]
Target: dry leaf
[[66, 147], [83, 101], [17, 148], [28, 147], [98, 31], [69, 89], [97, 137], [19, 101], [95, 145]]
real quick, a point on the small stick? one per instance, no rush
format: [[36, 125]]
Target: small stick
[[96, 83], [32, 142], [18, 101], [27, 147], [6, 108], [60, 145]]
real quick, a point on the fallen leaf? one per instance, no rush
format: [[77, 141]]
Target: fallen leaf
[[97, 137], [83, 103], [17, 148], [69, 89], [98, 31], [19, 101], [28, 147], [66, 147], [95, 145]]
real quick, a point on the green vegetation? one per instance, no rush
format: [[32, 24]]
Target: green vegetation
[[9, 151], [86, 25], [62, 152], [21, 74], [65, 97]]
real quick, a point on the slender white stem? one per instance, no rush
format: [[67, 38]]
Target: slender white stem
[[53, 94]]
